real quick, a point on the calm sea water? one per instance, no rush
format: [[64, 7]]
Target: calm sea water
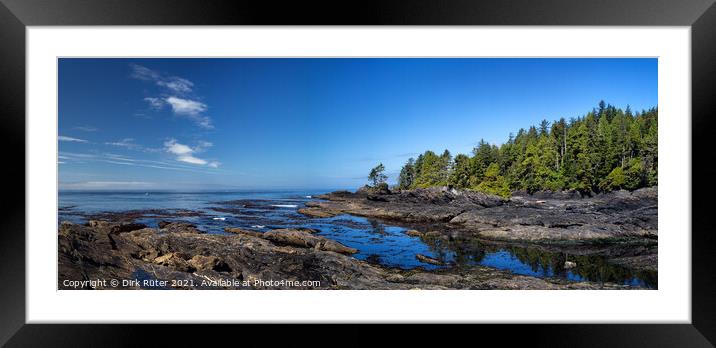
[[376, 241]]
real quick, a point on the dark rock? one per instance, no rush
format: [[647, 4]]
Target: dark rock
[[201, 262], [317, 212], [543, 217], [304, 239], [381, 189], [377, 198], [173, 227], [176, 261], [242, 231], [87, 252], [428, 259], [569, 194], [115, 227], [414, 233]]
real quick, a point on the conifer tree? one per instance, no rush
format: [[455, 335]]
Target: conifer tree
[[606, 149]]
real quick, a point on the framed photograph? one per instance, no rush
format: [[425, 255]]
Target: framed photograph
[[507, 163]]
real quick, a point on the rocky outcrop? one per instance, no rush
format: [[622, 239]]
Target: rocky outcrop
[[303, 239], [242, 231], [543, 218], [419, 205], [428, 259], [177, 257], [295, 237], [170, 227], [318, 212]]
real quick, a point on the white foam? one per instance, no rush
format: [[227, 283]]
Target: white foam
[[220, 218], [258, 226], [308, 197], [285, 205]]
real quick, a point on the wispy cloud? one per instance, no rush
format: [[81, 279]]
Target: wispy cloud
[[143, 73], [127, 143], [176, 84], [71, 155], [130, 144], [140, 183], [154, 103], [177, 94], [172, 83], [191, 109], [71, 139], [86, 128], [186, 154], [116, 159], [105, 185]]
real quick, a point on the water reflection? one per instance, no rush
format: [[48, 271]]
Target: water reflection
[[536, 262]]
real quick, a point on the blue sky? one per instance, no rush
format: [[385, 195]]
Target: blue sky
[[203, 124]]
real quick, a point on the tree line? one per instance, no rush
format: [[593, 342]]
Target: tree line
[[606, 149]]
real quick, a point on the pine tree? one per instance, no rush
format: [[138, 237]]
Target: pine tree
[[614, 181], [377, 175], [494, 183], [606, 149], [432, 171], [460, 175], [407, 175]]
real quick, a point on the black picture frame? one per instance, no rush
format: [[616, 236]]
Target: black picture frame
[[699, 15]]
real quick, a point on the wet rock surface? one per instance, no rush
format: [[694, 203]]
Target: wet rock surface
[[179, 256], [419, 205], [547, 217], [428, 259]]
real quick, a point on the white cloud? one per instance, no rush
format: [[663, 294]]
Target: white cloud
[[118, 183], [86, 128], [186, 154], [191, 159], [71, 139], [105, 185], [154, 103], [172, 146], [126, 143], [203, 145], [204, 122], [185, 106], [176, 84], [143, 73], [191, 109], [172, 83], [69, 157], [179, 92]]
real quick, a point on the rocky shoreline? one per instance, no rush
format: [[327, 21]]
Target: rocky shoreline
[[543, 218], [195, 260], [178, 255], [621, 226]]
